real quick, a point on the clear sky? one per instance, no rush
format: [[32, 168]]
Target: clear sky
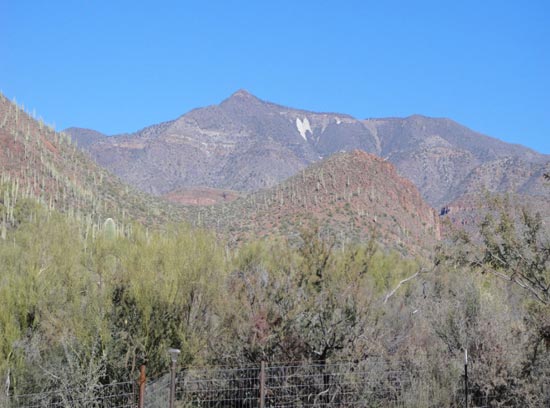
[[117, 66]]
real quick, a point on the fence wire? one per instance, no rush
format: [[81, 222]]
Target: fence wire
[[344, 384], [118, 395], [157, 392], [531, 389], [373, 382], [359, 384], [219, 387]]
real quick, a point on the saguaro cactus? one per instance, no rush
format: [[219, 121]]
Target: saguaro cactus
[[109, 229]]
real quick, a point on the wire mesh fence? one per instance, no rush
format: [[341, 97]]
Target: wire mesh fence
[[219, 387], [492, 386], [118, 395], [368, 383], [371, 382], [157, 392], [341, 384]]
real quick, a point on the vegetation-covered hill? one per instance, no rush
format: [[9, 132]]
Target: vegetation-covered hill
[[352, 196], [43, 165], [79, 311]]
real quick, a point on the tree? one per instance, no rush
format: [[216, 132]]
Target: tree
[[305, 303], [514, 245], [517, 248]]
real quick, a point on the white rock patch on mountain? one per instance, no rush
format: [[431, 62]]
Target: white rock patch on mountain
[[303, 127]]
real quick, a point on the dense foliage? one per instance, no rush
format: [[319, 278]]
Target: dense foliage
[[80, 308]]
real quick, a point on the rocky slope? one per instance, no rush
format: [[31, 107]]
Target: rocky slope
[[446, 160], [351, 196], [247, 144], [45, 166]]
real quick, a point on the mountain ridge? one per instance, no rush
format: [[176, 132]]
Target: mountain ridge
[[247, 144]]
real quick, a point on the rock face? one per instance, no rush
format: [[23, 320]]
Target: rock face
[[352, 196], [247, 144]]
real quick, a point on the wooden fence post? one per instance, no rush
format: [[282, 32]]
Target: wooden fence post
[[142, 382]]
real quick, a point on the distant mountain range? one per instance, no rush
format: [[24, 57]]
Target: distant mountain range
[[246, 144], [249, 168], [350, 196]]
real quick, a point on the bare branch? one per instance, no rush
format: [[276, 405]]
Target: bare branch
[[389, 295], [519, 283]]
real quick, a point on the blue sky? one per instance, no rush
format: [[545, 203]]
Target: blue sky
[[117, 66]]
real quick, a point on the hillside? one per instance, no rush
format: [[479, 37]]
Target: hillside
[[39, 163], [247, 144], [446, 160], [351, 196]]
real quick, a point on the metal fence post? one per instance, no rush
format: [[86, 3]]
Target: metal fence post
[[142, 381], [262, 385], [466, 375]]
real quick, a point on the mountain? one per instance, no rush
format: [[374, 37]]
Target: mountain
[[446, 160], [247, 144], [349, 195], [242, 144], [45, 166]]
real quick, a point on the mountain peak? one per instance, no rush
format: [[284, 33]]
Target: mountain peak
[[242, 95]]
